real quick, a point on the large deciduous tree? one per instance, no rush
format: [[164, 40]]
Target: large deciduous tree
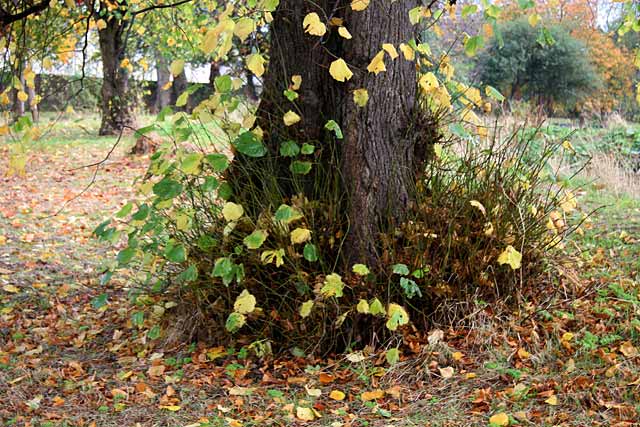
[[381, 150]]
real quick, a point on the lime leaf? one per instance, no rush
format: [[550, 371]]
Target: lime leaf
[[289, 149], [305, 308], [512, 257], [397, 316], [235, 321], [245, 303], [300, 235], [232, 211], [255, 239], [393, 356], [310, 252], [361, 269], [333, 286]]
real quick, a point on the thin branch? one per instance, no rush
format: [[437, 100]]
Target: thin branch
[[160, 6], [6, 18]]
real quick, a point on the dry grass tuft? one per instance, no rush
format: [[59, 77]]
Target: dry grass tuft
[[614, 173]]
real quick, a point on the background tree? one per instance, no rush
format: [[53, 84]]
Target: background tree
[[545, 67]]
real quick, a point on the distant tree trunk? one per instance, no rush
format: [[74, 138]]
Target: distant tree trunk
[[117, 100], [214, 71], [180, 84], [33, 105], [18, 107], [163, 95], [381, 151]]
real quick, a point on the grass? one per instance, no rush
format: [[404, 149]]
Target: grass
[[67, 361]]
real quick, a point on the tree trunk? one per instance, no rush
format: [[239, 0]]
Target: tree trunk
[[117, 99], [379, 155], [163, 96], [33, 105], [180, 84]]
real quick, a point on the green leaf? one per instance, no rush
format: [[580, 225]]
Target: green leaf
[[137, 318], [376, 307], [175, 253], [410, 288], [335, 128], [401, 269], [142, 213], [235, 321], [191, 163], [310, 252], [126, 210], [469, 9], [287, 214], [249, 144], [223, 84], [126, 255], [300, 168], [393, 356], [255, 239], [219, 162], [308, 149], [167, 189], [99, 301], [291, 95], [154, 333], [289, 149], [472, 44], [494, 93], [188, 275]]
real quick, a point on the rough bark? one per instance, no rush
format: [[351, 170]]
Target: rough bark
[[117, 100], [163, 96], [378, 155]]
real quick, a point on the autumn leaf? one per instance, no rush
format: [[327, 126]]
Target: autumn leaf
[[300, 235], [340, 71], [337, 395], [344, 33], [232, 211], [313, 25], [305, 414], [499, 420], [359, 5], [377, 64], [255, 64], [361, 97], [372, 395], [245, 303], [512, 257], [290, 118]]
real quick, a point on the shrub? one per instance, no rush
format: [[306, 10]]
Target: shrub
[[250, 263]]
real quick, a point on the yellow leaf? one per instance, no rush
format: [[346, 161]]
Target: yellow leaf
[[363, 307], [340, 71], [523, 354], [457, 356], [245, 303], [313, 25], [177, 67], [428, 82], [22, 96], [297, 82], [500, 419], [397, 316], [512, 257], [568, 146], [4, 130], [337, 395], [291, 118], [408, 52], [361, 97], [377, 64], [243, 28], [359, 5], [305, 414], [552, 400], [391, 50], [11, 289], [372, 395], [305, 308], [232, 211], [172, 408], [47, 63], [345, 33], [255, 64], [628, 349], [567, 336], [300, 235], [534, 19], [477, 204], [101, 24]]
